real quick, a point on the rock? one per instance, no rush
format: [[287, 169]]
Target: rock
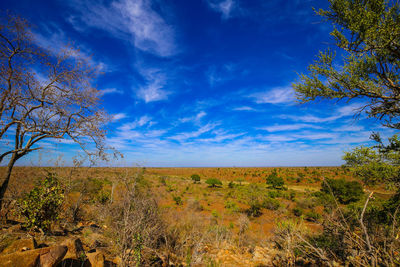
[[14, 228], [20, 259], [96, 259], [75, 249], [44, 257], [52, 256], [20, 245]]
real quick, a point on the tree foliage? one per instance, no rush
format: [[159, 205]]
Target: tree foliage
[[368, 36], [41, 206], [344, 191], [377, 164], [213, 182], [275, 181], [195, 178]]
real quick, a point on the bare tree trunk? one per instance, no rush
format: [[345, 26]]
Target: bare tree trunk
[[7, 176]]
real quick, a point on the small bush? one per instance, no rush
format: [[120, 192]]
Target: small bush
[[312, 216], [271, 204], [178, 200], [195, 178], [213, 182], [274, 194], [254, 210], [163, 180], [345, 192], [275, 181], [231, 206], [297, 212], [41, 206]]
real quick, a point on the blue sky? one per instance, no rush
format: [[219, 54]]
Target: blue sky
[[202, 82]]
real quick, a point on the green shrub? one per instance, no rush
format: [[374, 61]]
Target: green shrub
[[178, 200], [41, 206], [195, 178], [231, 184], [103, 196], [163, 180], [213, 182], [312, 216], [275, 181], [274, 193], [231, 206], [271, 204], [297, 211], [345, 192], [254, 210]]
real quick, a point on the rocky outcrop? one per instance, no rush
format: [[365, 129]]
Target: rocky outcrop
[[96, 259], [43, 257], [19, 246]]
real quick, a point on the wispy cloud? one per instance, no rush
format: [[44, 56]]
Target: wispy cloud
[[187, 135], [154, 90], [244, 108], [133, 21], [144, 120], [341, 112], [110, 91], [194, 119], [289, 127], [279, 95], [225, 7], [55, 40], [119, 116]]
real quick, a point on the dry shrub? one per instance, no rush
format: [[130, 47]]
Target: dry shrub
[[136, 223]]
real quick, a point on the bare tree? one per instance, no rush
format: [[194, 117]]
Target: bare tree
[[44, 95]]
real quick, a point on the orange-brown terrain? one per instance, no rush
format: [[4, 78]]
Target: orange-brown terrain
[[234, 224]]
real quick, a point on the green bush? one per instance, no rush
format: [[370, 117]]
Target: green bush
[[41, 206], [275, 181], [297, 211], [195, 178], [178, 200], [344, 191], [213, 182], [271, 204], [274, 193], [312, 216], [254, 210], [231, 206]]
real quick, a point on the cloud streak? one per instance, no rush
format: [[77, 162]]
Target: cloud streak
[[132, 21], [279, 95]]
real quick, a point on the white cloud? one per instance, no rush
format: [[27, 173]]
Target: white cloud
[[134, 21], [187, 135], [153, 90], [289, 127], [194, 119], [279, 95], [244, 108], [119, 116], [56, 41], [142, 121], [341, 112], [110, 91], [225, 7]]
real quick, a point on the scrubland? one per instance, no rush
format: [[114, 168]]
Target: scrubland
[[306, 216]]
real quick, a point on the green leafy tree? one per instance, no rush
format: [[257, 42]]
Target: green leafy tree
[[213, 182], [367, 34], [41, 206], [195, 178], [275, 181], [375, 164], [367, 39], [344, 191]]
